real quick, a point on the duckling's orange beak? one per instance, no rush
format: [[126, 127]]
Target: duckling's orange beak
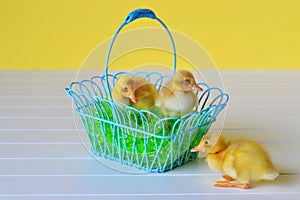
[[133, 98], [197, 87], [197, 149]]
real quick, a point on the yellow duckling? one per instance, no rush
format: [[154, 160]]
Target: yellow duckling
[[241, 160], [177, 97], [135, 92], [145, 93]]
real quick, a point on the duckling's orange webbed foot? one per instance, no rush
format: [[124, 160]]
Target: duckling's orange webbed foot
[[228, 178], [231, 184]]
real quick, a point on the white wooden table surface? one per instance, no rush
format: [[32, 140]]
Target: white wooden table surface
[[44, 156]]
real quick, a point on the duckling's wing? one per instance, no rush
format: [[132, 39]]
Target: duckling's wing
[[161, 94], [165, 92], [146, 90], [229, 165], [242, 166]]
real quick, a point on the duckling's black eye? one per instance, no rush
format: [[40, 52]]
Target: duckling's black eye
[[206, 142], [125, 89], [186, 80]]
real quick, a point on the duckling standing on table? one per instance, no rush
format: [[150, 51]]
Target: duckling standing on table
[[135, 92], [177, 97], [241, 160]]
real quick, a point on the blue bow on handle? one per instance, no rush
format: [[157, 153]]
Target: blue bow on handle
[[136, 14], [139, 13]]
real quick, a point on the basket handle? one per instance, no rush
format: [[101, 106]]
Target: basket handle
[[136, 14]]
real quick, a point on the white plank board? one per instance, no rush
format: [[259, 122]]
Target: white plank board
[[137, 185]]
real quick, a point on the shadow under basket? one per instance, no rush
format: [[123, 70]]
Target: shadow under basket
[[140, 138]]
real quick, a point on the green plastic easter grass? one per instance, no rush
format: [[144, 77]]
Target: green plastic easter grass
[[169, 146]]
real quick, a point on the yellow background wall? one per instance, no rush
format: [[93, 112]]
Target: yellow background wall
[[59, 34]]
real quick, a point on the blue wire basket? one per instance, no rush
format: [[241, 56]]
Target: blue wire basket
[[142, 138]]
